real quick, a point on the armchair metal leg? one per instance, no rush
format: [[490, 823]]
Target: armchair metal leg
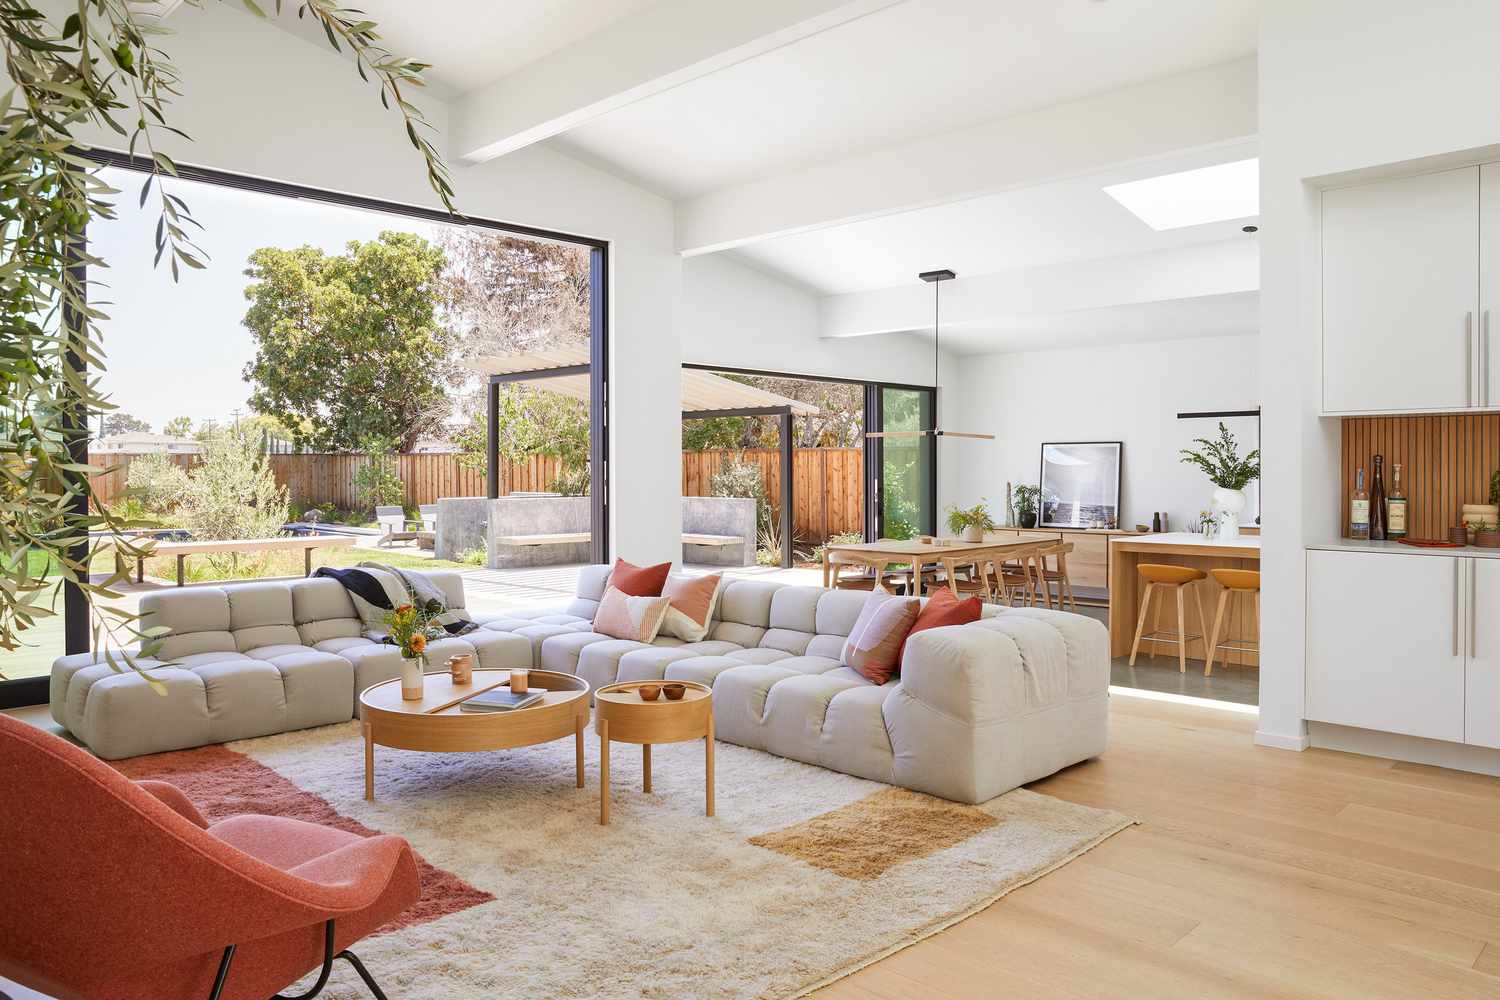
[[323, 974], [223, 973], [364, 973]]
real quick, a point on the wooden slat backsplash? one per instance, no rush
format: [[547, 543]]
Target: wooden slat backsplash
[[1446, 461]]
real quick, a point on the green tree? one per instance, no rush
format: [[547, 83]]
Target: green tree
[[178, 427], [533, 421], [349, 347], [232, 493], [120, 422]]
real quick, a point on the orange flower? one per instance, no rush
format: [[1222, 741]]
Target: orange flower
[[418, 643], [403, 609]]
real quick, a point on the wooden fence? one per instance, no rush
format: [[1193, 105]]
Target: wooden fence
[[827, 487]]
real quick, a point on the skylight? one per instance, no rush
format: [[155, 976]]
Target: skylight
[[1193, 197]]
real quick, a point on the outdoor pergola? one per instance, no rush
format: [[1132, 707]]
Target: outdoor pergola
[[705, 395]]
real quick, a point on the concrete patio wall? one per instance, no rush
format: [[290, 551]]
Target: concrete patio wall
[[467, 523], [719, 516]]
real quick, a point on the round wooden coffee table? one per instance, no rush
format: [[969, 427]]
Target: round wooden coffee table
[[436, 724], [622, 715]]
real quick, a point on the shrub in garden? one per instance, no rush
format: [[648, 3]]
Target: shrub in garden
[[157, 482], [232, 493]]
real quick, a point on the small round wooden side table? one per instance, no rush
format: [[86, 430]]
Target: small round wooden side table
[[622, 715]]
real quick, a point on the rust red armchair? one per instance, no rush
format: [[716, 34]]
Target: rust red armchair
[[120, 890]]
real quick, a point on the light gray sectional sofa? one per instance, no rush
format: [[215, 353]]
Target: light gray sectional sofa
[[248, 659], [976, 710]]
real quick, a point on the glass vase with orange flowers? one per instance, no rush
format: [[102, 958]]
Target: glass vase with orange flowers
[[411, 629]]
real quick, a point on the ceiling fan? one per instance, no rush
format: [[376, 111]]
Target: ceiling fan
[[935, 279]]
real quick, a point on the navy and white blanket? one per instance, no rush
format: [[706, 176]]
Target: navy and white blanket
[[377, 589]]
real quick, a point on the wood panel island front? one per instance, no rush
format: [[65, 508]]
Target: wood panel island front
[[1180, 548]]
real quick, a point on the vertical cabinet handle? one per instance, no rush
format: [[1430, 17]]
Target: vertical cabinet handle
[[1469, 358], [1484, 357], [1455, 606], [1473, 618]]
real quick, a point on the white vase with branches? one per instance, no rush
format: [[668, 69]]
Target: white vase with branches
[[1221, 462]]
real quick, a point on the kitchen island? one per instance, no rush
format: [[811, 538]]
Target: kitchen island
[[1180, 548]]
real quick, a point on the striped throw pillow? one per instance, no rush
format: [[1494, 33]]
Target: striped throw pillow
[[624, 617]]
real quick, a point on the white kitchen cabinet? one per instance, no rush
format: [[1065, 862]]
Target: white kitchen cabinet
[[1482, 692], [1400, 294], [1385, 642]]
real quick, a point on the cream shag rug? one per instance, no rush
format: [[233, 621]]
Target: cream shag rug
[[804, 876]]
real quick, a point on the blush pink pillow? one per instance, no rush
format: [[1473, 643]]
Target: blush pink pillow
[[873, 648], [624, 617]]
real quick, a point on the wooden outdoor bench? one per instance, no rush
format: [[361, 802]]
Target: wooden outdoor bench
[[566, 538], [712, 540], [304, 542]]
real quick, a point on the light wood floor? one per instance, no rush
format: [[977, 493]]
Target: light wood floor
[[1254, 873]]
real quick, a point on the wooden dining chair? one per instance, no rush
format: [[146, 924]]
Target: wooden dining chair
[[962, 575], [1017, 576], [1057, 551]]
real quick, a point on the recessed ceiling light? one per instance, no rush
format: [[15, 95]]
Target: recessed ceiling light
[[1193, 197]]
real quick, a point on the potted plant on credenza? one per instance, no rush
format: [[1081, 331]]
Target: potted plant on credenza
[[1026, 504], [1220, 460]]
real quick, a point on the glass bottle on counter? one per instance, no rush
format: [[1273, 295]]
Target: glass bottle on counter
[[1395, 506], [1359, 508], [1377, 501]]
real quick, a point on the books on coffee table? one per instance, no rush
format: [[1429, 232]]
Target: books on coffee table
[[500, 699]]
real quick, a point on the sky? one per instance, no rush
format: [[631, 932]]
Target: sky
[[178, 349]]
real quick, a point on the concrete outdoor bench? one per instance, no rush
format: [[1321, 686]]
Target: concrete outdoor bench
[[184, 549]]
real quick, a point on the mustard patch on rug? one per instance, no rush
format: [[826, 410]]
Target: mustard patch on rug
[[867, 838]]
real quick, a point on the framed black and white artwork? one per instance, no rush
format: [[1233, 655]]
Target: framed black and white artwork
[[1080, 484]]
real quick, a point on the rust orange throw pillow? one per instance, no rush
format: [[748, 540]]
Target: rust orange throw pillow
[[639, 581], [942, 608], [873, 648]]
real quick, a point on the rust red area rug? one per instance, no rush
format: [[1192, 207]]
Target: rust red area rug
[[803, 875], [224, 783]]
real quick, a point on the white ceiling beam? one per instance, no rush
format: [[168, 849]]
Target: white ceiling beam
[[1226, 267], [666, 45], [1203, 108]]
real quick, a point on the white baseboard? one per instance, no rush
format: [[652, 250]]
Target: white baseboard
[[1282, 741], [1393, 746]]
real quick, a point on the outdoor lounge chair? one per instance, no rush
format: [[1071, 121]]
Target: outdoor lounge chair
[[392, 521]]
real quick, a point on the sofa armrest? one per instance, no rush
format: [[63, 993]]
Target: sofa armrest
[[173, 797], [965, 672]]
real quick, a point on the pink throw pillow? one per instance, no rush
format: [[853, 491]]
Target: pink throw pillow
[[624, 617], [873, 648]]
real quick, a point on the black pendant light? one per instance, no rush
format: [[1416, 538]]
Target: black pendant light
[[935, 279]]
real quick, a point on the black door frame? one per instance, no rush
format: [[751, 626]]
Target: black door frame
[[33, 690]]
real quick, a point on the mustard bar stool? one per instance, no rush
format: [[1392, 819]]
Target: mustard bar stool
[[1174, 578], [1233, 581]]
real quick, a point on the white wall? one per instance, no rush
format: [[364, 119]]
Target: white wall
[[1344, 85], [260, 101], [1131, 393]]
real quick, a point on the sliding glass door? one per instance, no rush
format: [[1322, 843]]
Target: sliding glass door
[[904, 469]]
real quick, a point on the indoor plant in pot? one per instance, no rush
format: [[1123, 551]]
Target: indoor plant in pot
[[1221, 462], [1026, 500], [971, 522]]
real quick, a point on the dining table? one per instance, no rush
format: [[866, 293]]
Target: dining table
[[918, 554]]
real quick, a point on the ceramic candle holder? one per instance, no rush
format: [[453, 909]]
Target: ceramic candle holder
[[520, 680], [461, 666]]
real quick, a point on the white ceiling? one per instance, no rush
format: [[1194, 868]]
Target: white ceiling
[[1038, 226], [471, 43], [918, 68]]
